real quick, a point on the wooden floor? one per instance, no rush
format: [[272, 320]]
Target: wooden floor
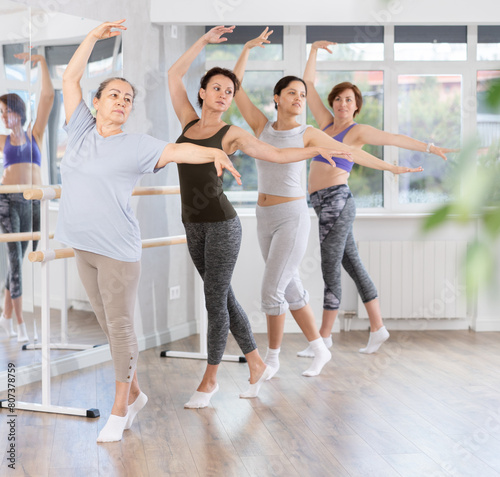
[[427, 405]]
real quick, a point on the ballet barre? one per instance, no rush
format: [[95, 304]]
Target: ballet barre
[[22, 237]]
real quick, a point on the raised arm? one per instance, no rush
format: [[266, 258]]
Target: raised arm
[[72, 91], [315, 137], [46, 99], [178, 94], [369, 135], [254, 117], [192, 154], [320, 112]]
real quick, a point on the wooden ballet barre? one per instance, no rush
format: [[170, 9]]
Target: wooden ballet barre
[[22, 237], [41, 193], [17, 188], [42, 256]]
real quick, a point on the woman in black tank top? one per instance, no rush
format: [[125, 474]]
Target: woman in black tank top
[[213, 229]]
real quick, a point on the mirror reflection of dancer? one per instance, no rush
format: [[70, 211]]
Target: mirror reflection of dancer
[[334, 204], [21, 165], [99, 171], [213, 229]]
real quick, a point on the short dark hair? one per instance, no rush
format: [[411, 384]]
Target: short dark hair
[[105, 83], [214, 72], [15, 103], [283, 83], [340, 88]]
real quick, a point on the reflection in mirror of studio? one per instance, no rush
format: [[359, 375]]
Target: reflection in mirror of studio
[[32, 143]]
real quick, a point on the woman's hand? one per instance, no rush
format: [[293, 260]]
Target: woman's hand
[[222, 161], [27, 57], [103, 31], [403, 170], [322, 45], [260, 40], [441, 151], [215, 34], [328, 154]]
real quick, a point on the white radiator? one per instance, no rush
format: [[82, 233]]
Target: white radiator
[[416, 279]]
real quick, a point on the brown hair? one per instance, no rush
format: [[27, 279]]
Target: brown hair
[[214, 72], [105, 83], [340, 88], [283, 83], [15, 103]]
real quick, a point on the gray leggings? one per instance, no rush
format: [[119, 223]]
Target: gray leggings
[[336, 211], [111, 286], [17, 215], [214, 248], [283, 232]]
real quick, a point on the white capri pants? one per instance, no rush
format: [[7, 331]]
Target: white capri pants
[[283, 232]]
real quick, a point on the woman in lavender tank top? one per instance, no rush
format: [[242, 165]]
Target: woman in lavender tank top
[[346, 101]]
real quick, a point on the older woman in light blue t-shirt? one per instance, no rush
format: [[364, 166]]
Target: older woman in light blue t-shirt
[[99, 171]]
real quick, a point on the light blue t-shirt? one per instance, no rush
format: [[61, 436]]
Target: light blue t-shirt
[[98, 176]]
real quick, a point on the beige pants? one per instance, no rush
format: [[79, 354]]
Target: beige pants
[[111, 286]]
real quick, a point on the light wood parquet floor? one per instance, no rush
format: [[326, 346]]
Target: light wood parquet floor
[[426, 405]]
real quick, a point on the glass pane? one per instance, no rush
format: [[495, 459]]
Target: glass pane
[[102, 67], [488, 118], [271, 52], [428, 110], [259, 86], [430, 51], [352, 52], [14, 68], [488, 51], [58, 138], [366, 184]]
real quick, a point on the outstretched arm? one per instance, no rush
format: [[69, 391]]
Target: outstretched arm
[[46, 99], [178, 94], [369, 135], [192, 154], [237, 138], [315, 137], [254, 117], [72, 91], [320, 112]]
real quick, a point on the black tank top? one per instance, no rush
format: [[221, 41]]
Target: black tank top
[[201, 189]]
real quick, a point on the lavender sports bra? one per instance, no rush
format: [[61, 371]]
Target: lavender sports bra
[[28, 152], [341, 163]]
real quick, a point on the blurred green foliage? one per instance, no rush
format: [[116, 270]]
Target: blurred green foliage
[[476, 198]]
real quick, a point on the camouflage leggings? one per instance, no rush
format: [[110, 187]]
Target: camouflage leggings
[[17, 215], [336, 211]]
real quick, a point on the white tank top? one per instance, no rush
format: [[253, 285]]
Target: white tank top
[[283, 180]]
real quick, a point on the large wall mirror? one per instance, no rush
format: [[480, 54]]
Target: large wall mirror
[[35, 47]]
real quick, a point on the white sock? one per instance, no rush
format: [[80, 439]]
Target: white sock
[[113, 430], [309, 353], [253, 389], [22, 335], [375, 340], [8, 326], [200, 400], [272, 359], [321, 356], [134, 408]]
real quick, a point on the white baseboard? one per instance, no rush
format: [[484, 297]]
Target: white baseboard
[[100, 354], [414, 324], [487, 325]]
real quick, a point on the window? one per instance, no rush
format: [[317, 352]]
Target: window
[[488, 118], [430, 43], [354, 43], [428, 110], [488, 42], [231, 49]]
